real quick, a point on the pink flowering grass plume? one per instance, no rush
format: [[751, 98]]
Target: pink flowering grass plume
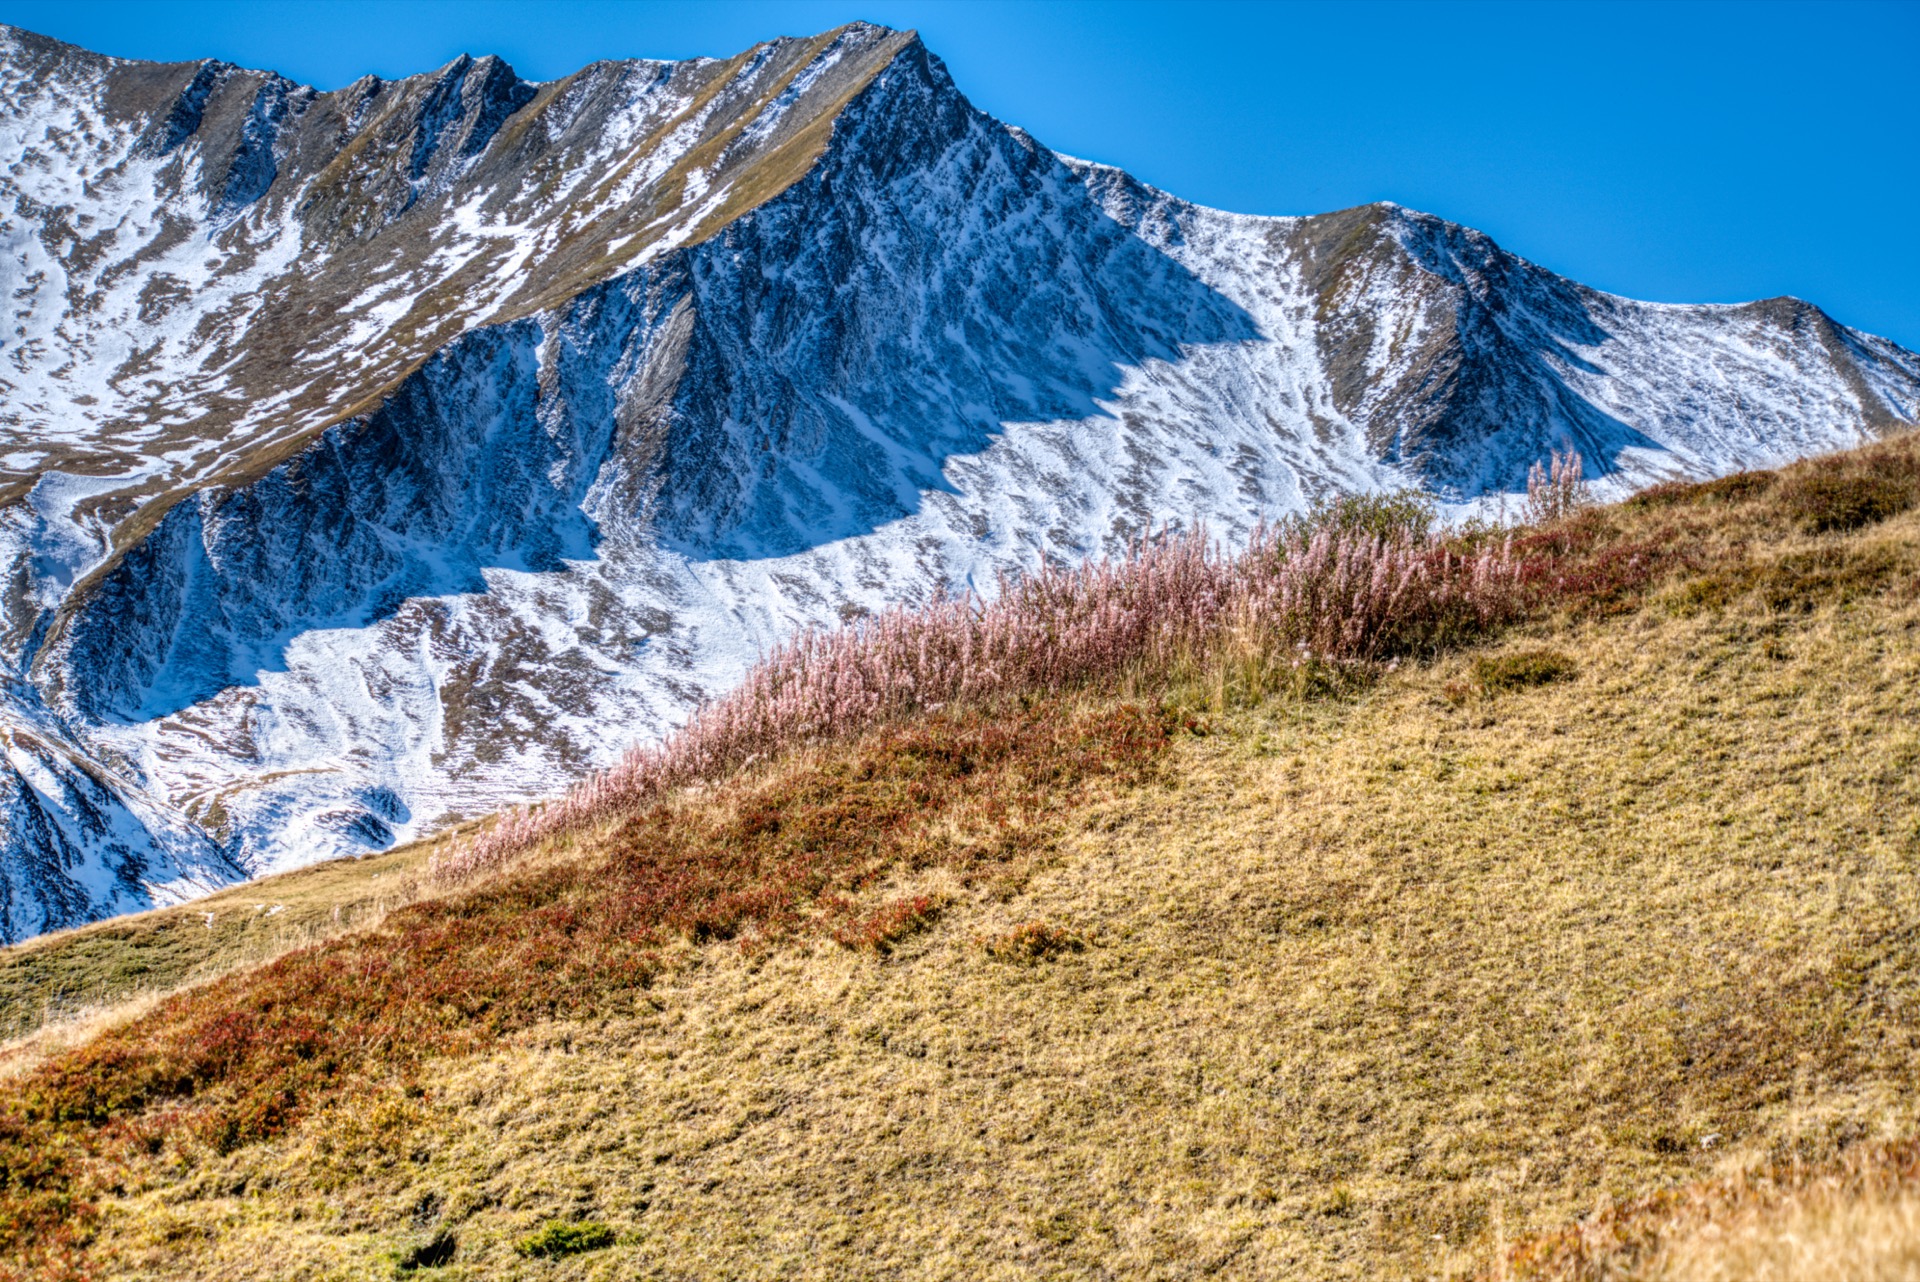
[[1338, 588], [1556, 489]]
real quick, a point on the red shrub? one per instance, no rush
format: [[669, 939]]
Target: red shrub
[[1592, 576], [880, 930]]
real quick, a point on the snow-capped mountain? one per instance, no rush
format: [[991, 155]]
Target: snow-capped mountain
[[375, 458]]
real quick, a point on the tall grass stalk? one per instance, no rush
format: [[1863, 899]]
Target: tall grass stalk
[[1556, 489]]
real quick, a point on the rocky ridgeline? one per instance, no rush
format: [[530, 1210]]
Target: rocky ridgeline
[[376, 458]]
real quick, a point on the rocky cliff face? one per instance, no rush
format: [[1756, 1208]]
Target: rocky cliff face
[[376, 458]]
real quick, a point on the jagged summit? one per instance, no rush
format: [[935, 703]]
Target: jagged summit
[[344, 236], [375, 457]]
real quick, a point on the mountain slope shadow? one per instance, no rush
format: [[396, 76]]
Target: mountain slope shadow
[[462, 468], [1483, 389], [797, 380], [937, 277]]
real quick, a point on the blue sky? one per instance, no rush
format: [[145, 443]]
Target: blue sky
[[1681, 152]]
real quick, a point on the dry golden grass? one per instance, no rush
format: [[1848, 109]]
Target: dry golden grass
[[1846, 1237], [1855, 1218], [1368, 988]]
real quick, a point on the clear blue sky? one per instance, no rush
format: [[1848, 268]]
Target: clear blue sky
[[1681, 152]]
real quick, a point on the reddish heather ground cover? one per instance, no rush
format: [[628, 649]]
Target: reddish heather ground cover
[[242, 1059]]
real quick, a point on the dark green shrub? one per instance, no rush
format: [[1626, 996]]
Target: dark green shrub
[[558, 1239], [1665, 494], [1739, 487], [1498, 673], [1714, 591], [1736, 488], [1799, 582], [1402, 514], [436, 1252]]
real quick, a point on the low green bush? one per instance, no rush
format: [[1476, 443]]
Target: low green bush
[[1499, 673], [1400, 514], [559, 1238]]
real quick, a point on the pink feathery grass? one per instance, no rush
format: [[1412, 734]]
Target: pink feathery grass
[[1304, 590]]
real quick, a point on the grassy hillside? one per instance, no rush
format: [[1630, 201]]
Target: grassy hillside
[[1584, 944], [95, 973]]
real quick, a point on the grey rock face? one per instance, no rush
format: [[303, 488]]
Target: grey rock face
[[376, 458]]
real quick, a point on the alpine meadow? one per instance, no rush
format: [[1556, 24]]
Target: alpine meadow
[[729, 668]]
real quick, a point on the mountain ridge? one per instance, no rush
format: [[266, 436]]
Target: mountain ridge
[[1207, 962], [425, 581]]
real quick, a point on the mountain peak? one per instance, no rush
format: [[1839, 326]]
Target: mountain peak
[[376, 457]]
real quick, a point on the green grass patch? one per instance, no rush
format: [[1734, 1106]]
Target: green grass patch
[[1498, 674], [558, 1239]]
